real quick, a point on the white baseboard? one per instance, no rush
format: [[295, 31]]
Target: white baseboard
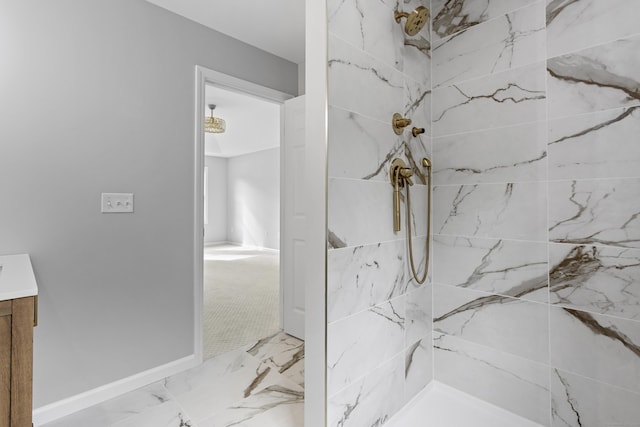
[[62, 408], [218, 243]]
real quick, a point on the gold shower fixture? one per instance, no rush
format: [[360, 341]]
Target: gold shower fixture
[[416, 20], [400, 176], [399, 123], [417, 131], [214, 124]]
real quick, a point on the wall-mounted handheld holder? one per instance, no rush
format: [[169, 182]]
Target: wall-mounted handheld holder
[[399, 175], [398, 123]]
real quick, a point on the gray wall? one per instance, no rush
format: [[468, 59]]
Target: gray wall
[[216, 229], [98, 96], [253, 199]]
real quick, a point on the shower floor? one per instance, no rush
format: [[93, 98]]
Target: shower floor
[[442, 406]]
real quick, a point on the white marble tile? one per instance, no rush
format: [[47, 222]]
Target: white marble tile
[[598, 279], [503, 99], [506, 42], [600, 347], [220, 382], [360, 83], [372, 400], [368, 25], [512, 210], [595, 212], [418, 195], [513, 383], [168, 414], [509, 154], [276, 405], [452, 16], [416, 54], [415, 150], [117, 409], [599, 78], [573, 25], [505, 267], [595, 145], [359, 343], [418, 367], [364, 276], [417, 107], [580, 402], [283, 354], [359, 147], [360, 213], [418, 314], [507, 324]]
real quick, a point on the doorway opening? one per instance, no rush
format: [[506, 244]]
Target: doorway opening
[[241, 278], [251, 246]]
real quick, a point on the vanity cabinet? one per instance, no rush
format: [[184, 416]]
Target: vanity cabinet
[[17, 319]]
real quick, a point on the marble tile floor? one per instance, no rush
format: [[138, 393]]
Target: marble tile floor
[[260, 384]]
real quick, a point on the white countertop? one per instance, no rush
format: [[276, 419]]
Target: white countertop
[[16, 277]]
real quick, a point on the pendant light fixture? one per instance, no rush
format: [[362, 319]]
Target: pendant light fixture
[[214, 124]]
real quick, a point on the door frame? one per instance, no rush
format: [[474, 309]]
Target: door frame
[[206, 76]]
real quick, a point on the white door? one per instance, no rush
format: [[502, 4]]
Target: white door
[[293, 218]]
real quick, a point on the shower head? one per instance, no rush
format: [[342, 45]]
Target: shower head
[[416, 20]]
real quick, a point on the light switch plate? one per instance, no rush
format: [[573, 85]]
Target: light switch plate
[[117, 202]]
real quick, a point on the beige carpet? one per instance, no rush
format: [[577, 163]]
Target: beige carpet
[[241, 297]]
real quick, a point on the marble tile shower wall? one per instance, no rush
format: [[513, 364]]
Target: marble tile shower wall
[[379, 348], [535, 124]]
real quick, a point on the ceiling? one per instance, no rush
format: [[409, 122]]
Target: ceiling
[[276, 26], [253, 124]]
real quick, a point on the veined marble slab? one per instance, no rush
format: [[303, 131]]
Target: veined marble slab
[[282, 353], [452, 16], [597, 145], [577, 24], [599, 78], [276, 405], [503, 99], [508, 324], [418, 318], [605, 212], [581, 402], [364, 276], [360, 147], [511, 211], [359, 343], [598, 279], [508, 154], [372, 400], [418, 367], [361, 212], [601, 347], [361, 83], [513, 383], [221, 382], [506, 42], [505, 267], [368, 25]]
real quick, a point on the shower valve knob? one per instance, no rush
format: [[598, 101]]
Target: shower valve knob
[[417, 131], [399, 123]]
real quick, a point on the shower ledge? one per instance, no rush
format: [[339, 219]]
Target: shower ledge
[[16, 277], [440, 405]]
